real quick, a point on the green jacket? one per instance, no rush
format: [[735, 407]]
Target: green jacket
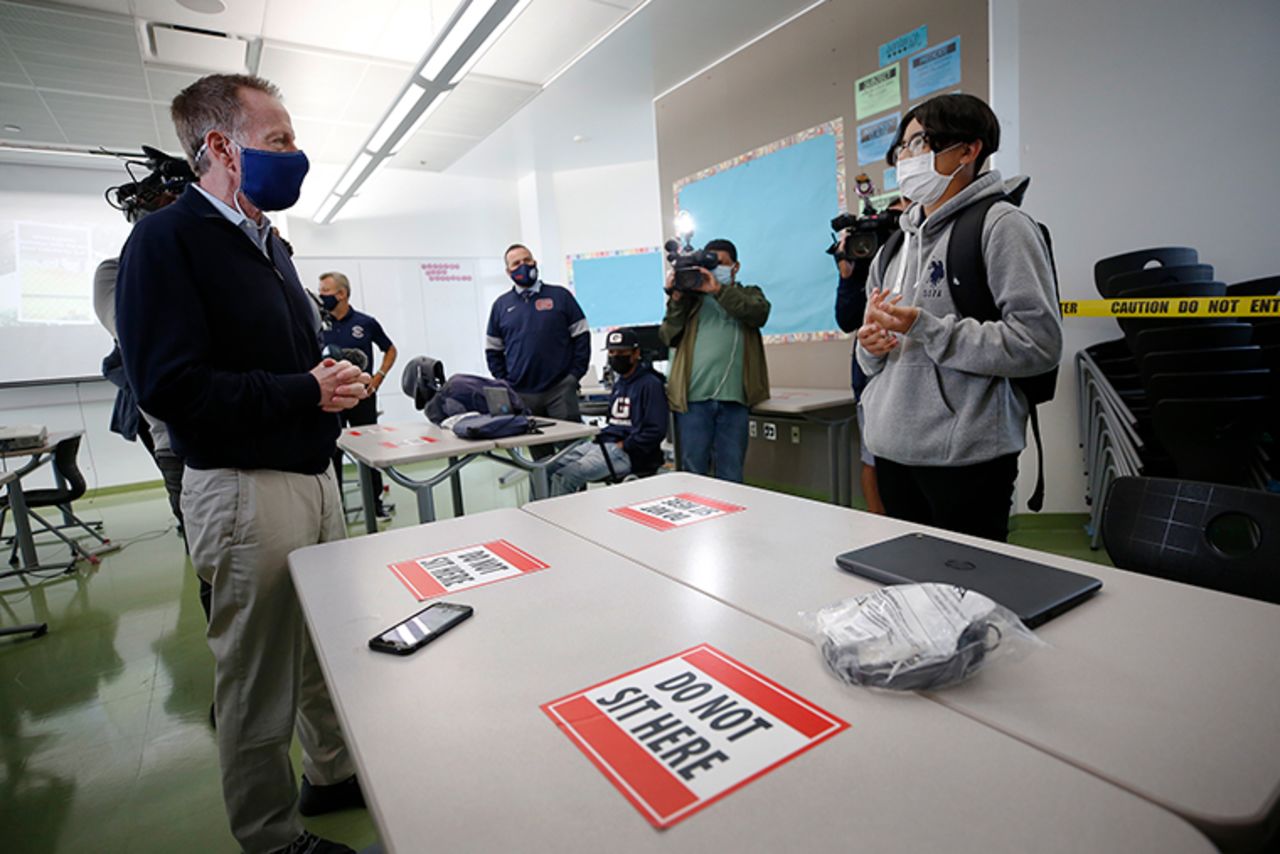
[[746, 304]]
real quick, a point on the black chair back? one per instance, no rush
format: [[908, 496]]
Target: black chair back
[[1220, 537], [1200, 361], [1200, 337], [64, 460], [1265, 287], [1164, 256], [1211, 385], [1121, 284], [1213, 440]]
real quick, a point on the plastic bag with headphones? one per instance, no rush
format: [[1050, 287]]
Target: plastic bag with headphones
[[917, 637]]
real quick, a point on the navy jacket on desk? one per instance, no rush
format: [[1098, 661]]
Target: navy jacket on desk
[[638, 416], [537, 337], [218, 341]]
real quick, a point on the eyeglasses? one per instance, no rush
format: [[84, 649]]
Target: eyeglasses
[[913, 146]]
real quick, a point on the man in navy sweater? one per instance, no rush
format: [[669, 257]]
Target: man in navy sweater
[[221, 342], [638, 416], [538, 340]]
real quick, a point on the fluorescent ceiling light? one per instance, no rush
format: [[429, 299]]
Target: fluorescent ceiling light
[[408, 100], [362, 160], [419, 122], [478, 53], [326, 210], [461, 30]]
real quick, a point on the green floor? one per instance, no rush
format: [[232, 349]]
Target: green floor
[[104, 722]]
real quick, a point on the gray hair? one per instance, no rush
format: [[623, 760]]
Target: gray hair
[[339, 279], [212, 103]]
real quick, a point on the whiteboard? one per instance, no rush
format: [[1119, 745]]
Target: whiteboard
[[422, 314]]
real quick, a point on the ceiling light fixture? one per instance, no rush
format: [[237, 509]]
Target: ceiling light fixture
[[470, 31], [204, 7]]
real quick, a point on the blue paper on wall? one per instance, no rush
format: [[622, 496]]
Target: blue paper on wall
[[874, 138], [620, 290], [776, 207], [934, 69], [890, 180], [904, 45]]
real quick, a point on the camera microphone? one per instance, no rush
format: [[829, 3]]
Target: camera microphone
[[348, 354]]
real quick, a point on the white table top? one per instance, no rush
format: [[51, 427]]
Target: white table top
[[7, 476], [454, 752], [410, 442], [797, 401], [1167, 690], [559, 431]]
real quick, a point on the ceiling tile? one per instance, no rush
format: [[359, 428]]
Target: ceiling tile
[[432, 151], [164, 124], [165, 84], [10, 70], [375, 93], [343, 143], [545, 37], [331, 24], [87, 120], [23, 107], [314, 85], [479, 105], [73, 74], [115, 7]]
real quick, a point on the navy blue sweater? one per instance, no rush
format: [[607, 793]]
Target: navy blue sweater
[[536, 338], [638, 416], [851, 305], [218, 342]]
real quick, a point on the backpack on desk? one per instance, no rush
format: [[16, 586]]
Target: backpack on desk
[[492, 426], [971, 293], [466, 393]]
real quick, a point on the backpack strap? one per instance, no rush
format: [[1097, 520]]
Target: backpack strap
[[886, 253]]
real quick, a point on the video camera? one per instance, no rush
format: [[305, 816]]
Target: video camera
[[687, 262], [868, 232], [167, 178]]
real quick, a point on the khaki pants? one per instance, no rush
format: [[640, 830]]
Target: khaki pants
[[241, 527]]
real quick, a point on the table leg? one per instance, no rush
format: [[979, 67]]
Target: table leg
[[367, 498], [455, 485], [61, 484], [834, 480], [22, 525], [426, 503], [846, 464], [539, 484]]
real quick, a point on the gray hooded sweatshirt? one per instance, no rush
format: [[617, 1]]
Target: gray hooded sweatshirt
[[943, 396]]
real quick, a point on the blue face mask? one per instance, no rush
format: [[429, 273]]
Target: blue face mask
[[329, 301], [526, 275], [272, 180], [723, 274]]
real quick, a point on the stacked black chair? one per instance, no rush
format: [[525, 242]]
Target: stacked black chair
[[71, 488], [1176, 397]]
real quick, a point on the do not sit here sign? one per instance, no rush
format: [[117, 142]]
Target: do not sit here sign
[[677, 735]]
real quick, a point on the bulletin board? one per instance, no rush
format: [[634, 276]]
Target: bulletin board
[[775, 204], [620, 288]]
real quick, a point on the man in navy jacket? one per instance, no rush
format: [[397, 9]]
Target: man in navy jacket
[[538, 340], [221, 342], [638, 417]]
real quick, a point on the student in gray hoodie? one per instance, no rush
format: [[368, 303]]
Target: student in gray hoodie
[[943, 420]]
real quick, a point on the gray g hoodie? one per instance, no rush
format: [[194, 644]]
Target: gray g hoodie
[[943, 396]]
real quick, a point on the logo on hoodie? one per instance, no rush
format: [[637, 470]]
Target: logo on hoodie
[[936, 272]]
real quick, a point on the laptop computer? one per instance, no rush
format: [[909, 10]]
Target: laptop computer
[[1035, 592]]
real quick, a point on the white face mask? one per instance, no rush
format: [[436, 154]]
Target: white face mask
[[723, 274], [920, 182]]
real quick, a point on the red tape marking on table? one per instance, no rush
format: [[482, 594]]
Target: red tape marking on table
[[676, 511], [679, 734], [405, 443], [461, 569]]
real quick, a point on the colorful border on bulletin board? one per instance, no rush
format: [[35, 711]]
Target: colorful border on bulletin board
[[834, 129]]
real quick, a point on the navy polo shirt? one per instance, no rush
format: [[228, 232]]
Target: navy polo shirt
[[358, 331], [536, 337]]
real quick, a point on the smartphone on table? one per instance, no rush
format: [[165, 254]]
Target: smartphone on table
[[420, 629]]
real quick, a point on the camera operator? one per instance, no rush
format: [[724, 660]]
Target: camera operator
[[719, 369], [251, 407], [137, 199], [354, 330], [851, 305], [944, 417]]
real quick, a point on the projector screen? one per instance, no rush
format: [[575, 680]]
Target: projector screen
[[55, 227]]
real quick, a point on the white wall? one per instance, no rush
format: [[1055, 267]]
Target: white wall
[[1142, 123], [612, 207]]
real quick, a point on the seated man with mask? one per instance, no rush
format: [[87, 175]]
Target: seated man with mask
[[637, 423]]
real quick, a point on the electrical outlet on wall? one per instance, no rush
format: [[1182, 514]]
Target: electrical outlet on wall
[[770, 431], [795, 434], [751, 429]]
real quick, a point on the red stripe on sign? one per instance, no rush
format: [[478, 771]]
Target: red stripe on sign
[[760, 691], [426, 439], [643, 518], [417, 579], [387, 444], [518, 558], [353, 432], [640, 777], [711, 502]]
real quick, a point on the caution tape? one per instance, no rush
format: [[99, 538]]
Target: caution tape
[[1174, 307]]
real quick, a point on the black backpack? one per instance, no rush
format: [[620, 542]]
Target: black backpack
[[966, 268]]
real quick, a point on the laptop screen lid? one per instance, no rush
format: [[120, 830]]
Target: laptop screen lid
[[1035, 592]]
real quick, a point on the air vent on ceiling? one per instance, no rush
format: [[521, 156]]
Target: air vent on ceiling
[[204, 50]]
